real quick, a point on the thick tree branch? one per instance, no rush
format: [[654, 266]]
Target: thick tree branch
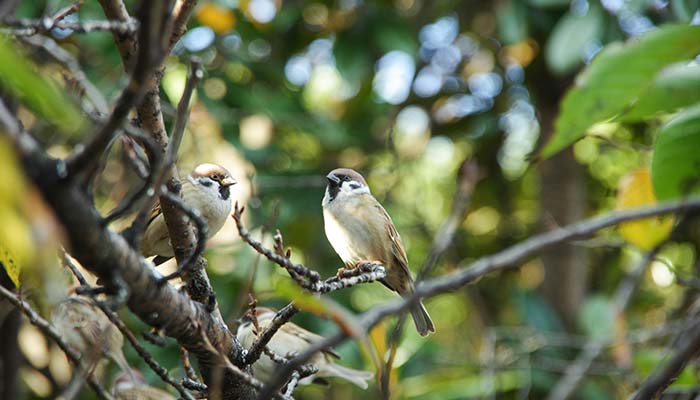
[[107, 254]]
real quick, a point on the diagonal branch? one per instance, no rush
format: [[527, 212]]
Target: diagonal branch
[[107, 254], [51, 332], [282, 317], [303, 276], [87, 155], [142, 352], [501, 261]]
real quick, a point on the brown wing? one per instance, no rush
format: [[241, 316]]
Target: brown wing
[[397, 249], [308, 337], [155, 212]]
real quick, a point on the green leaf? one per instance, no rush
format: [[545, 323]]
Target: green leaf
[[38, 93], [676, 86], [675, 165], [616, 78], [571, 35]]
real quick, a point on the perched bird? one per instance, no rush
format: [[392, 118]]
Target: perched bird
[[206, 189], [134, 387], [87, 329], [360, 230], [292, 339]]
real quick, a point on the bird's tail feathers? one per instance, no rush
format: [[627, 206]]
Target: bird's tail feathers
[[354, 376], [424, 324]]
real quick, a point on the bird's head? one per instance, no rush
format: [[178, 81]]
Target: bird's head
[[345, 182], [214, 178]]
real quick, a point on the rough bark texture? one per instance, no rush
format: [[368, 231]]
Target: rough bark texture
[[107, 254]]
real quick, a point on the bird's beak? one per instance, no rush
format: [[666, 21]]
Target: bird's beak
[[333, 180], [228, 181]]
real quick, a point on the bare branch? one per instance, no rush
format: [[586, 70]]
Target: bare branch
[[142, 352], [156, 174], [89, 153], [503, 260], [303, 276], [126, 42], [49, 331], [281, 318], [30, 27], [71, 64]]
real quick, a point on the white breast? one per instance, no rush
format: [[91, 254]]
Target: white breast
[[214, 209]]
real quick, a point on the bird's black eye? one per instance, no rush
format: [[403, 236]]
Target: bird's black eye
[[346, 178]]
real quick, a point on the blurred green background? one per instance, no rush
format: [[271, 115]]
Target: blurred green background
[[404, 91]]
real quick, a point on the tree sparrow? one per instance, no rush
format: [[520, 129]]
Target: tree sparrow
[[87, 329], [134, 387], [360, 230], [206, 189], [292, 339]]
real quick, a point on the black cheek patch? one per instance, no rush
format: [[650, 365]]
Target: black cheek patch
[[332, 192], [354, 186], [225, 192], [206, 182]]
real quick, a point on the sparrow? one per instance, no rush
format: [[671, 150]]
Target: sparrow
[[290, 340], [360, 231], [87, 329], [206, 189], [134, 387]]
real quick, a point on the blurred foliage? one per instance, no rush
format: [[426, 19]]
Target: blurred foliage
[[404, 91]]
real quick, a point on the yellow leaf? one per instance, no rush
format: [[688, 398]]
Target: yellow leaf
[[16, 247], [7, 260], [635, 190], [218, 18]]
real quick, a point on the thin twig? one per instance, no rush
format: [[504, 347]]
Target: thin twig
[[69, 62], [146, 60], [202, 233], [142, 352], [156, 174], [281, 317], [48, 330], [303, 276], [30, 27], [503, 260]]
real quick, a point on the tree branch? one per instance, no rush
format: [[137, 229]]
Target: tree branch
[[49, 331], [88, 154], [303, 276], [500, 261]]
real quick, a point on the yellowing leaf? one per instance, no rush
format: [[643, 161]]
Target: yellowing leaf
[[12, 269], [635, 190], [218, 18], [16, 247]]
